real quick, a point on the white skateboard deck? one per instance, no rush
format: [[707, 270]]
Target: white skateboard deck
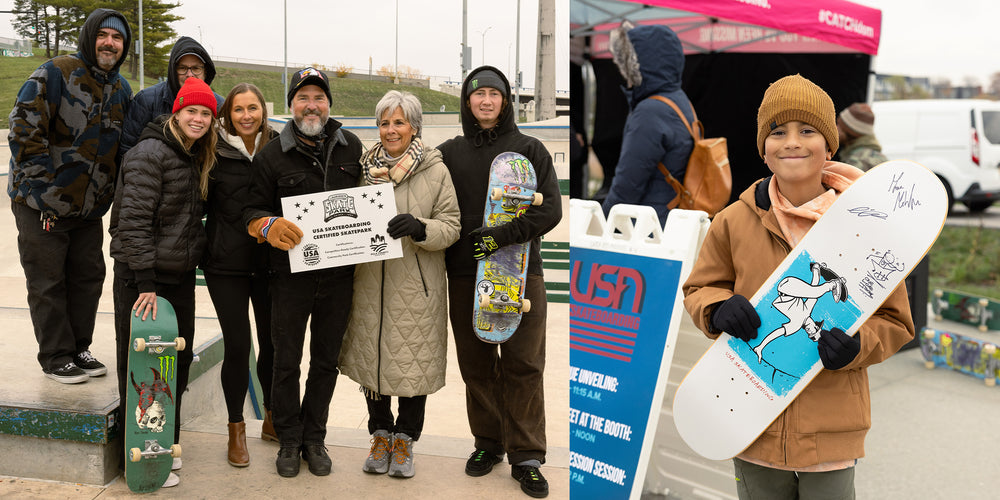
[[866, 243]]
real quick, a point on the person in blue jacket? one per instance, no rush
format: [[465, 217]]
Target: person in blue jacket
[[652, 61], [187, 58]]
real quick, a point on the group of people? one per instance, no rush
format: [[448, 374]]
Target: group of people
[[177, 152]]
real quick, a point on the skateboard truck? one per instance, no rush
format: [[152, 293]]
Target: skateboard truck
[[155, 346], [153, 449], [486, 300], [497, 194]]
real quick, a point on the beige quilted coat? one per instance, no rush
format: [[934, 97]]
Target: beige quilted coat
[[396, 342]]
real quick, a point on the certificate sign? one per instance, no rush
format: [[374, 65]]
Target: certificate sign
[[346, 226]]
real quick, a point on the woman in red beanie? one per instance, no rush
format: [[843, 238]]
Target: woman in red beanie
[[157, 236]]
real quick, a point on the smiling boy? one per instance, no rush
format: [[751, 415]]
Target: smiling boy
[[810, 450]]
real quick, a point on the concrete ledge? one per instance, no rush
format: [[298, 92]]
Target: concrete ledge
[[60, 459]]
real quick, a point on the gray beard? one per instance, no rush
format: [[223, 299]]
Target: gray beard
[[309, 129]]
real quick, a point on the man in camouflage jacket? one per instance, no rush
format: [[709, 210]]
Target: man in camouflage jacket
[[64, 134]]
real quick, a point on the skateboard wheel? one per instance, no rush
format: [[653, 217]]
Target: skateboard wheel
[[525, 305], [484, 300], [175, 450], [938, 293], [496, 194], [135, 454], [139, 345], [984, 302], [181, 344], [536, 199], [983, 328]]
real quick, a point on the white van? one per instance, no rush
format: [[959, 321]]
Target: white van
[[958, 139]]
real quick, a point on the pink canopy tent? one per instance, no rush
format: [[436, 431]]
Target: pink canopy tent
[[734, 48], [706, 26]]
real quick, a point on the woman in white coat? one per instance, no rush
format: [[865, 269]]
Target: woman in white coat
[[396, 343]]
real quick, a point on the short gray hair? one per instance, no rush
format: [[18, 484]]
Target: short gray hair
[[403, 100]]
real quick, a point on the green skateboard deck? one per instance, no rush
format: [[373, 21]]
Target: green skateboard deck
[[149, 404], [981, 312]]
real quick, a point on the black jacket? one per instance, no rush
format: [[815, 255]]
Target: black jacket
[[156, 229], [469, 157], [284, 167], [154, 101], [230, 250]]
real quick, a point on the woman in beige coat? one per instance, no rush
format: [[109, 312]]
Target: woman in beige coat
[[396, 342]]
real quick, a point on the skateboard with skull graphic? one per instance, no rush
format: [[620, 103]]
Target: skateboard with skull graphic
[[149, 405], [837, 276]]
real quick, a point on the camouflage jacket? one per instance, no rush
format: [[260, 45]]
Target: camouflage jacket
[[863, 152], [64, 131]]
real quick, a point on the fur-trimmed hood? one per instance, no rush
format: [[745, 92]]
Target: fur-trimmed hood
[[650, 58]]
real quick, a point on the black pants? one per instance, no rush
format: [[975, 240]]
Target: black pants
[[181, 297], [64, 272], [410, 420], [504, 394], [323, 298], [231, 296]]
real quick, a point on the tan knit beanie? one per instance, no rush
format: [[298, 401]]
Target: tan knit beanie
[[796, 98]]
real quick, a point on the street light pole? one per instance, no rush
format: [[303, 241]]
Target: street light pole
[[483, 47]]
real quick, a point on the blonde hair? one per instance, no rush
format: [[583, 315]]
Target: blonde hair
[[206, 154]]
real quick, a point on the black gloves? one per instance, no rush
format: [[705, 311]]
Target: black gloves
[[836, 348], [736, 317], [407, 225], [484, 242]]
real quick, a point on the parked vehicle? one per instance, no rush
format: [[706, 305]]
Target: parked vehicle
[[958, 139]]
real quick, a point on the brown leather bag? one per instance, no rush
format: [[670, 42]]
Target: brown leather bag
[[708, 181]]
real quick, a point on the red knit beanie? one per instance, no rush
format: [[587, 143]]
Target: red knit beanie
[[195, 91]]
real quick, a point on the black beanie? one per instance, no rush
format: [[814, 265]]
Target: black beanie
[[487, 78]]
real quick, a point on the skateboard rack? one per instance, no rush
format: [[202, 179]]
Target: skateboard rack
[[974, 354]]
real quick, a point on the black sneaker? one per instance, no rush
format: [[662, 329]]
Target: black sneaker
[[89, 364], [288, 461], [319, 462], [532, 481], [481, 462], [69, 374]]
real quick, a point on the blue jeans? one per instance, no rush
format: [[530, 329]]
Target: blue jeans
[[323, 298]]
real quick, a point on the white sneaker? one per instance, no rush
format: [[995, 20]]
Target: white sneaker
[[177, 464], [172, 480]]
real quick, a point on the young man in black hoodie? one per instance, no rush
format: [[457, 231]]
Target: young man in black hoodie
[[503, 383], [187, 58]]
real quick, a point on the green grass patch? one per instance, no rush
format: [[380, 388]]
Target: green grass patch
[[351, 97], [966, 259]]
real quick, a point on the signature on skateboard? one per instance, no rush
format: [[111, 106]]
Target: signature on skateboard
[[500, 277], [838, 275], [149, 405]]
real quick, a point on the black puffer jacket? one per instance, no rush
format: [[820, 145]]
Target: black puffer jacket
[[285, 167], [230, 249], [154, 101], [156, 229]]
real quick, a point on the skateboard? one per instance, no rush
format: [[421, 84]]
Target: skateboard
[[838, 275], [981, 312], [152, 375], [500, 277], [972, 356]]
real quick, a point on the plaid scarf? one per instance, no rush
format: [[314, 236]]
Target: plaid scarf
[[379, 168]]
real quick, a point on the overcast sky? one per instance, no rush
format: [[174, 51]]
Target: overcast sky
[[348, 32], [954, 39]]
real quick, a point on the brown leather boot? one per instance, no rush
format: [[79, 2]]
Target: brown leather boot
[[238, 454], [267, 429]]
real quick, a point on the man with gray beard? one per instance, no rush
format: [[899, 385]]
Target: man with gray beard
[[311, 154]]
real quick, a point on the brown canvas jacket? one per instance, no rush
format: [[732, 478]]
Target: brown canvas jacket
[[830, 418]]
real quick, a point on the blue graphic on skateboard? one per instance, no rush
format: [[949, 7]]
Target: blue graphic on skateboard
[[809, 298]]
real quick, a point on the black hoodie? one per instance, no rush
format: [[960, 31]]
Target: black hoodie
[[154, 101], [469, 157], [87, 43]]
